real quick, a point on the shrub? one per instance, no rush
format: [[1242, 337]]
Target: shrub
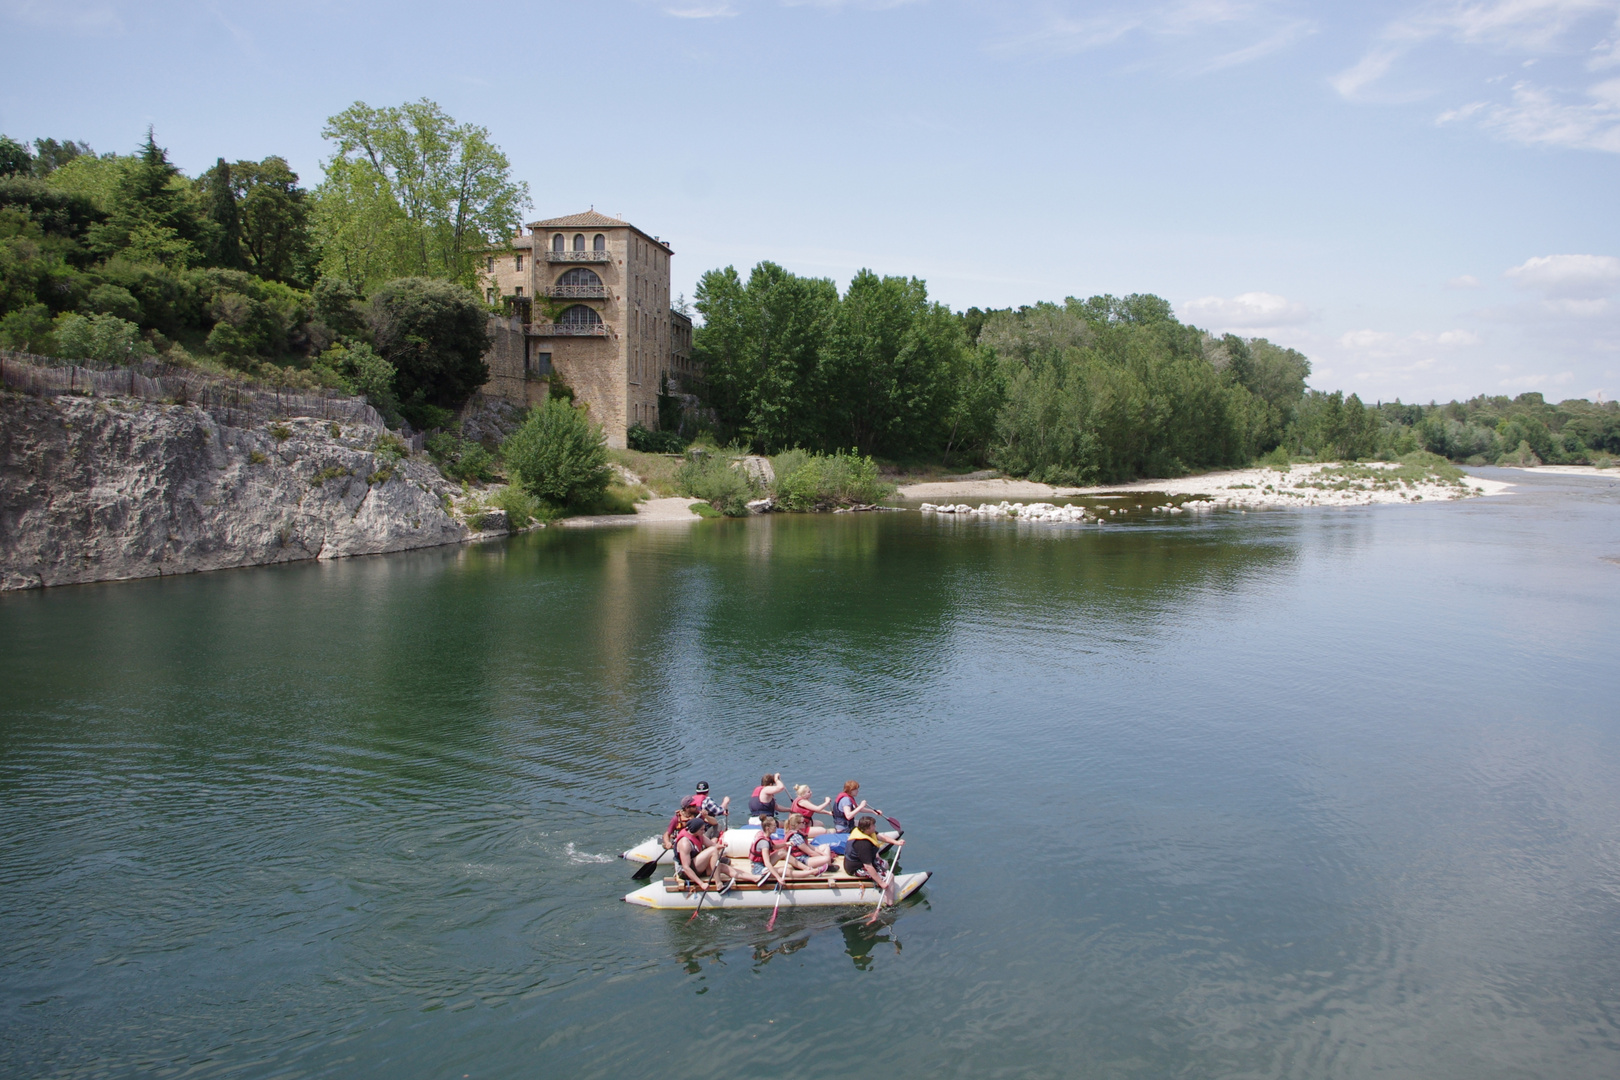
[[98, 337], [559, 455], [710, 477], [654, 442], [434, 334], [826, 480], [28, 329], [461, 459], [520, 506], [357, 369]]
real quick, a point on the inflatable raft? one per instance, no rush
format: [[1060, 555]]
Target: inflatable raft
[[737, 843], [828, 891]]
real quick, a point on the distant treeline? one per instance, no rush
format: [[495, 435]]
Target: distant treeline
[[359, 284]]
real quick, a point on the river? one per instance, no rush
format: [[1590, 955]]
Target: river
[[1309, 793]]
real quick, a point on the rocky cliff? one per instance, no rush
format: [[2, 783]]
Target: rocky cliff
[[108, 488]]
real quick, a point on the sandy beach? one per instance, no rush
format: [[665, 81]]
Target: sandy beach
[[675, 510], [1299, 485]]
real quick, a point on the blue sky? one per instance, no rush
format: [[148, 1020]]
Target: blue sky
[[1423, 197]]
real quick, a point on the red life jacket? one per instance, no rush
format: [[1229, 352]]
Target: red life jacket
[[758, 856], [802, 808]]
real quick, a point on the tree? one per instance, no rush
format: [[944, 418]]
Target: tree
[[153, 215], [559, 455], [219, 195], [50, 155], [450, 184], [435, 334], [15, 158]]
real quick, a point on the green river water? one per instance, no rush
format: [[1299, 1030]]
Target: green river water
[[1312, 793]]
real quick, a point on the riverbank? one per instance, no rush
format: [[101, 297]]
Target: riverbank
[[1255, 488]]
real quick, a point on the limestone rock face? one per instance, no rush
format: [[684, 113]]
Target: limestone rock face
[[104, 489]]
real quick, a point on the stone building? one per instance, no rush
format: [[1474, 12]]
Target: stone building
[[588, 297]]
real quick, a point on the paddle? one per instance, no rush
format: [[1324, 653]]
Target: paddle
[[883, 888], [775, 907], [648, 868]]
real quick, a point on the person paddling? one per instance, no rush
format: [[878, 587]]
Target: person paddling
[[710, 811], [699, 859], [762, 803], [764, 854], [845, 807], [861, 854], [808, 810]]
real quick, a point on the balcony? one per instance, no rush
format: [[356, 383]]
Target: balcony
[[579, 256], [569, 329], [577, 292]]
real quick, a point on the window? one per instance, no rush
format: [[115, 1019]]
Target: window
[[489, 295], [600, 243], [580, 315], [580, 275], [519, 260], [490, 265], [579, 241], [535, 364], [557, 242]]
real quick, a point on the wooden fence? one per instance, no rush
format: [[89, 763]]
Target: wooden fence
[[230, 401]]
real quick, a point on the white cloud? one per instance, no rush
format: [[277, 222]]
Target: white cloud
[[1249, 312], [1569, 277], [1188, 20], [1534, 30], [91, 17], [704, 11], [1539, 379], [1466, 281], [1540, 116]]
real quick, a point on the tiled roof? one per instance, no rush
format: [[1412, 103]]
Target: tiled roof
[[590, 219]]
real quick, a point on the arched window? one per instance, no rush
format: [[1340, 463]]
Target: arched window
[[600, 243], [580, 315], [557, 243], [579, 241], [579, 275]]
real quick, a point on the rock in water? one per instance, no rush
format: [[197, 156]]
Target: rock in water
[[104, 489]]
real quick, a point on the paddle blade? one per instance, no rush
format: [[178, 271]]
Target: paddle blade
[[646, 870]]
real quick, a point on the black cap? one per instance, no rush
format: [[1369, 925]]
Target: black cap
[[702, 786]]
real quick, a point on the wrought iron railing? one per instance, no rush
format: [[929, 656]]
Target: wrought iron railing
[[570, 329], [579, 256], [520, 307], [583, 292]]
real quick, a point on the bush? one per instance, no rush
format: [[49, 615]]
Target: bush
[[357, 369], [654, 442], [434, 333], [98, 337], [559, 455], [460, 458], [520, 506], [28, 329], [826, 480], [712, 479]]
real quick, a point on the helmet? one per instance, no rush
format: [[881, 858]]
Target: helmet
[[703, 787]]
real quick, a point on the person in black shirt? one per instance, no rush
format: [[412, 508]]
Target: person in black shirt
[[861, 854]]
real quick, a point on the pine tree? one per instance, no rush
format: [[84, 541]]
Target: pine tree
[[153, 217]]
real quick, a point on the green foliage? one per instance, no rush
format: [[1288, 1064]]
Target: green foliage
[[1108, 389], [434, 333], [105, 338], [1332, 427], [411, 192], [280, 432], [713, 478], [1525, 430], [824, 481], [788, 362], [461, 459], [357, 369], [654, 442], [559, 455], [257, 457], [28, 329], [15, 158], [331, 472], [154, 215], [521, 507]]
